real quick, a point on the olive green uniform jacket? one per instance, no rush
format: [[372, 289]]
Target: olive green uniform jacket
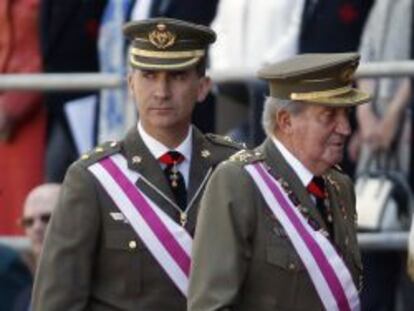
[[242, 257], [91, 261]]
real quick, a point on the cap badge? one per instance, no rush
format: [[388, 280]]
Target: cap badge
[[161, 37]]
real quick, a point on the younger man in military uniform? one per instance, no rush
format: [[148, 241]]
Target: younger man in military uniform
[[120, 238], [284, 217]]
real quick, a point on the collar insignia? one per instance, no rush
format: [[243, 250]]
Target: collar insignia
[[205, 153]]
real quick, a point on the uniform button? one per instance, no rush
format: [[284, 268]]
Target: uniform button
[[132, 244], [346, 241], [136, 159], [280, 232], [291, 266]]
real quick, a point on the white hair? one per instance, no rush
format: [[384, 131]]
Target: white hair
[[272, 106]]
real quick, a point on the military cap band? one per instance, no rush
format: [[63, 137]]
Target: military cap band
[[148, 65], [320, 94], [284, 89], [324, 79], [167, 54]]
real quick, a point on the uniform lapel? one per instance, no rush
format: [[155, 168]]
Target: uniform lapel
[[153, 184], [279, 167], [335, 202], [344, 235], [202, 162]]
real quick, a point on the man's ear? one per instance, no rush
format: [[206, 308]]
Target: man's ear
[[204, 88], [284, 121]]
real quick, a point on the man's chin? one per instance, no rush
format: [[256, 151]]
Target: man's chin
[[335, 157], [336, 160]]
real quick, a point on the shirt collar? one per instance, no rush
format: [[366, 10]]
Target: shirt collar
[[157, 149], [303, 173]]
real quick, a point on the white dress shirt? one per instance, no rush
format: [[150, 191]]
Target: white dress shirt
[[157, 149], [303, 173]]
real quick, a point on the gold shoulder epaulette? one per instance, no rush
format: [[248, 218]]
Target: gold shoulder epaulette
[[225, 141], [101, 151], [246, 156]]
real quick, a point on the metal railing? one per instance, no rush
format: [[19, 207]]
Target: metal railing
[[95, 81], [18, 243]]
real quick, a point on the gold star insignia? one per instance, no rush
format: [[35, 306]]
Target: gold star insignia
[[205, 153]]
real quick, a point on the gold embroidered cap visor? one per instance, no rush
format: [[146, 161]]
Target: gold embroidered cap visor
[[323, 79], [166, 43]]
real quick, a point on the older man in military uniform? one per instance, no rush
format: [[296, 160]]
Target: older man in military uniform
[[121, 236], [284, 216]]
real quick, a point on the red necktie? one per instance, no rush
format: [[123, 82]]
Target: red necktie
[[317, 187], [171, 158], [175, 179]]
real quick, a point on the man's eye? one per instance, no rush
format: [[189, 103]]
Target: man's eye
[[179, 76], [327, 116], [148, 74]]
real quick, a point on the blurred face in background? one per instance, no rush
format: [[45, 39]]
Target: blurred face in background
[[37, 212]]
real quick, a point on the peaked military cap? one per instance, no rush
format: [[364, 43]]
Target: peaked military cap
[[166, 43], [324, 79]]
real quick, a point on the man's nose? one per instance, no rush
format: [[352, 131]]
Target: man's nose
[[343, 126], [162, 89], [38, 224]]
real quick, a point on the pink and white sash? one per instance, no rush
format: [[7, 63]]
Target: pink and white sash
[[328, 272], [168, 242]]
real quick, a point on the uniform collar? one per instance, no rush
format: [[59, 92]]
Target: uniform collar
[[157, 149], [303, 173]]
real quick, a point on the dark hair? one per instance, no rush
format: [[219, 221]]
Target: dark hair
[[201, 67]]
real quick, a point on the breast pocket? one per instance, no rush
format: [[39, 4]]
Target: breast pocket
[[124, 250], [281, 253], [284, 272]]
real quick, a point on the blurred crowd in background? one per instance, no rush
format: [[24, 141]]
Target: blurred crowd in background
[[41, 134]]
